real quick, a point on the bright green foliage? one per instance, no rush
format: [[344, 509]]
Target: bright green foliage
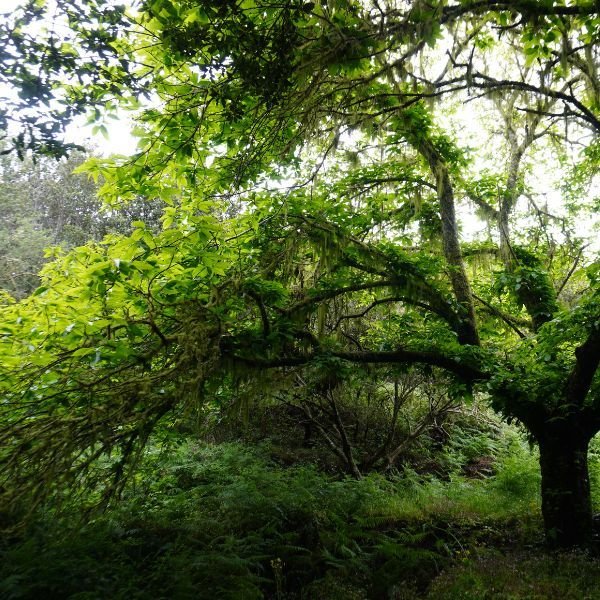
[[112, 318]]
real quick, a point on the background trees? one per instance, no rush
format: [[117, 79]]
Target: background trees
[[45, 205], [318, 189]]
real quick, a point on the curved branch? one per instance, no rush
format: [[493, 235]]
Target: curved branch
[[329, 294], [525, 8], [561, 287], [468, 333], [406, 275], [466, 372], [263, 312], [386, 301], [506, 318], [489, 211], [487, 82]]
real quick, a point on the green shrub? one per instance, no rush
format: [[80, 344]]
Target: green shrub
[[225, 521]]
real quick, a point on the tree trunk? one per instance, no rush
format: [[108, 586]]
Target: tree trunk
[[566, 500], [468, 332]]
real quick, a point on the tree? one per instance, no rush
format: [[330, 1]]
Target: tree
[[356, 255], [46, 205]]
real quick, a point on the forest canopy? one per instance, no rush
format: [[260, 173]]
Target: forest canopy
[[389, 186]]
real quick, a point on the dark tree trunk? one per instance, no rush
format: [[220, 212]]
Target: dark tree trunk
[[566, 500]]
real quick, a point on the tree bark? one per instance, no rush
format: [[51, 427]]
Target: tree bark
[[563, 442], [566, 499], [467, 332]]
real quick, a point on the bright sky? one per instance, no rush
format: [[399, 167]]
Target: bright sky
[[119, 140], [8, 5]]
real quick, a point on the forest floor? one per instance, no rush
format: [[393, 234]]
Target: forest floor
[[229, 521]]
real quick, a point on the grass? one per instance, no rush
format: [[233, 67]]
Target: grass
[[492, 574]]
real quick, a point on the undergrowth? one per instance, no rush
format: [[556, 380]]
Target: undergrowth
[[226, 521]]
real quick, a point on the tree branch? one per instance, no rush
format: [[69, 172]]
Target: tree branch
[[387, 301], [263, 312], [465, 371], [586, 364], [509, 320]]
